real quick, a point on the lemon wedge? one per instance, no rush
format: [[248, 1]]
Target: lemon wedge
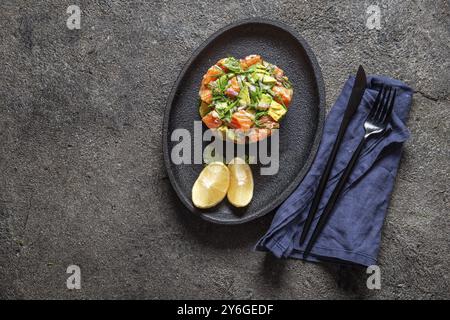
[[211, 185], [240, 192]]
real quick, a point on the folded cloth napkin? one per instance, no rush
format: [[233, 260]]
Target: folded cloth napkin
[[353, 232]]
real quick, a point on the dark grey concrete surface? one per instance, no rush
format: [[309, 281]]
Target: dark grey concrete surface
[[82, 179]]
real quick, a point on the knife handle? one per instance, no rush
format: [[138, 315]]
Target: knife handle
[[324, 179], [334, 197]]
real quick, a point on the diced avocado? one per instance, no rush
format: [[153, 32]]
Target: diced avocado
[[251, 90], [256, 68], [257, 76], [253, 77], [265, 102], [262, 69], [259, 65], [246, 83], [268, 79], [244, 97], [276, 110]]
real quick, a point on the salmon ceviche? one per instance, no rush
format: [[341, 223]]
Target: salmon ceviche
[[249, 95]]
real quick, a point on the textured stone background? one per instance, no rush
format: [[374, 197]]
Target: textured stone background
[[82, 179]]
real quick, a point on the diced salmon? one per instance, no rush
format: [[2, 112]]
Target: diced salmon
[[212, 74], [282, 95], [268, 122], [206, 80], [214, 71], [235, 84], [244, 65], [241, 120], [278, 73], [211, 120], [250, 60], [206, 95], [221, 62]]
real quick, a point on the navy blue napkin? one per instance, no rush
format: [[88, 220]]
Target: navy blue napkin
[[353, 232]]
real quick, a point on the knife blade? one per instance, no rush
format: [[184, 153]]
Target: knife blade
[[353, 102]]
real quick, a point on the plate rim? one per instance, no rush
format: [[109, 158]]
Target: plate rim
[[318, 135]]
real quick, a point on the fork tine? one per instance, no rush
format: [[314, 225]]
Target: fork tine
[[388, 113], [376, 103], [384, 107], [379, 106]]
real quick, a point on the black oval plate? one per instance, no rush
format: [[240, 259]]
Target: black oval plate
[[300, 131]]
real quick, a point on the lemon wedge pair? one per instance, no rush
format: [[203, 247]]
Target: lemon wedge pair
[[218, 180]]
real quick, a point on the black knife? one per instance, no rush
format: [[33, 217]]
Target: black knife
[[353, 103]]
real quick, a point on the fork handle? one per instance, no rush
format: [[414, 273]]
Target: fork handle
[[334, 197]]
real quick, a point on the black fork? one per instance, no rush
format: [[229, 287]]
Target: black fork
[[376, 123]]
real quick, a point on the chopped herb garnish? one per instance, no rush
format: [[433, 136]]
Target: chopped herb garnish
[[286, 83], [260, 114], [232, 64], [222, 83]]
